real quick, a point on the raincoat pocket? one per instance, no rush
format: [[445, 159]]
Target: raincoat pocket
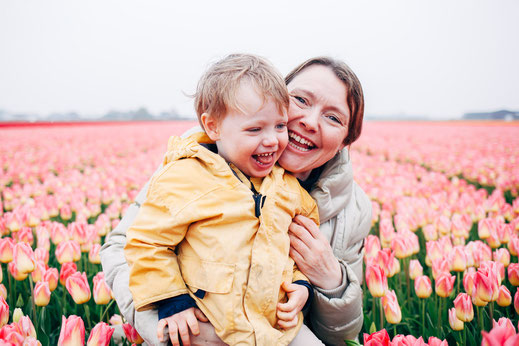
[[212, 277]]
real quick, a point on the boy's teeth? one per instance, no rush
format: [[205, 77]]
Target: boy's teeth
[[300, 139]]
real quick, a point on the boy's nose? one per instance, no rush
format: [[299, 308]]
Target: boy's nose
[[270, 140]]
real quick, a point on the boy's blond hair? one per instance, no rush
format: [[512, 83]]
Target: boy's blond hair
[[216, 90]]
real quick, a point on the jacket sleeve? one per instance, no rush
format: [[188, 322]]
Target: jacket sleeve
[[337, 314], [117, 275], [160, 225]]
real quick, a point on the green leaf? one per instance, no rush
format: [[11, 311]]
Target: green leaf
[[352, 343], [372, 328]]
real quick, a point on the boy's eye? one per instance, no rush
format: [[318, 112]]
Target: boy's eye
[[281, 126], [253, 129]]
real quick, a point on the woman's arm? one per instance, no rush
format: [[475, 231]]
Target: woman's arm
[[117, 275], [336, 312]]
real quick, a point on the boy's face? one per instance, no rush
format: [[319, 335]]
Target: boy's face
[[253, 139]]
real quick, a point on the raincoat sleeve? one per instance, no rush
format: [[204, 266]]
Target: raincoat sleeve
[[336, 314], [161, 224]]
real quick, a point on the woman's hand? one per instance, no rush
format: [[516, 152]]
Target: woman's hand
[[313, 255], [287, 313]]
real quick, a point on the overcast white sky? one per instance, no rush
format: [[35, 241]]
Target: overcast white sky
[[435, 58]]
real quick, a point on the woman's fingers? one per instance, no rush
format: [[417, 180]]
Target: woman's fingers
[[308, 224]]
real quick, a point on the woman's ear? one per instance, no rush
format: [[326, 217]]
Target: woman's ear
[[210, 125]]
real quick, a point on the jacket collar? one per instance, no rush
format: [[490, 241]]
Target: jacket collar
[[333, 189]]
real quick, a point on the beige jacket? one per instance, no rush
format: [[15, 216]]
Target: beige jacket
[[197, 230], [345, 215]]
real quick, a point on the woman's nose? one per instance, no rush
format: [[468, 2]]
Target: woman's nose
[[309, 120]]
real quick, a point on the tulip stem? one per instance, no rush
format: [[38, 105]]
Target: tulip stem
[[480, 320], [87, 314], [406, 270], [32, 298], [381, 316], [491, 307], [113, 300], [440, 313], [423, 317], [458, 281]]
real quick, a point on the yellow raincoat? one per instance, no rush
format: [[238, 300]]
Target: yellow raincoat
[[197, 229]]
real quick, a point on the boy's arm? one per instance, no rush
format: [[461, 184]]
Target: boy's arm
[[160, 225]]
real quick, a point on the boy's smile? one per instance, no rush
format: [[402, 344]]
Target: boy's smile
[[253, 138]]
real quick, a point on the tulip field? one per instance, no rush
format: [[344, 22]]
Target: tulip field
[[441, 262]]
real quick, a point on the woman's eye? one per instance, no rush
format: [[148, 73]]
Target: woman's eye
[[334, 118], [300, 99]]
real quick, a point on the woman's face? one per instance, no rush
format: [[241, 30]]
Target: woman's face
[[318, 118]]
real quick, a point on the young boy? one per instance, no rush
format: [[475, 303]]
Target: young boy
[[213, 231]]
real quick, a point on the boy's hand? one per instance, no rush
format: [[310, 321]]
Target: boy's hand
[[287, 313], [180, 323]]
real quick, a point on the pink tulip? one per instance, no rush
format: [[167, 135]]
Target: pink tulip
[[513, 273], [458, 259], [513, 245], [39, 270], [78, 287], [504, 297], [3, 291], [486, 226], [67, 269], [454, 321], [100, 335], [11, 335], [415, 269], [42, 293], [41, 254], [102, 293], [23, 258], [440, 266], [504, 322], [131, 334], [31, 341], [376, 280], [422, 286], [372, 246], [483, 288], [51, 276], [444, 284], [116, 320], [380, 338], [68, 251], [464, 309], [15, 273], [93, 255], [26, 327], [72, 331], [4, 312], [434, 341], [25, 236], [6, 250], [433, 252], [500, 335], [58, 233], [391, 307]]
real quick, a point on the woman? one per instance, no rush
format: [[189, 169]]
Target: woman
[[325, 116]]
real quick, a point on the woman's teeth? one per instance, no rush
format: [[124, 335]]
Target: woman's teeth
[[302, 144]]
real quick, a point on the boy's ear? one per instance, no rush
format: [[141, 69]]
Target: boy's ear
[[210, 125]]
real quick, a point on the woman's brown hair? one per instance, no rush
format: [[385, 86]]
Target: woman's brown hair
[[354, 97]]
